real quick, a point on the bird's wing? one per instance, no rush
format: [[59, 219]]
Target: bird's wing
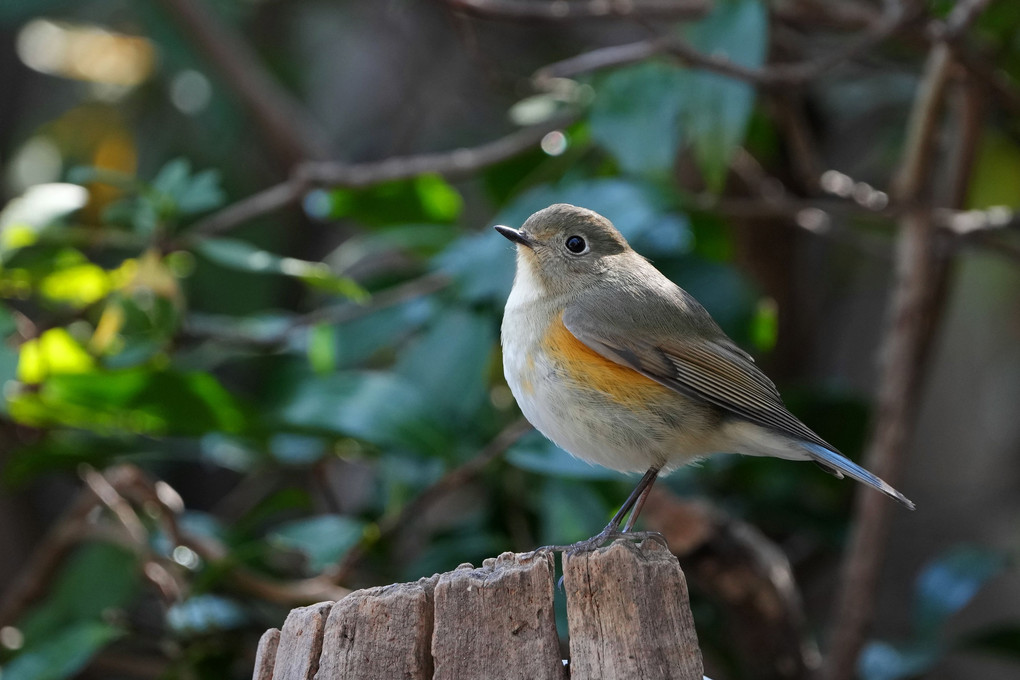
[[702, 365]]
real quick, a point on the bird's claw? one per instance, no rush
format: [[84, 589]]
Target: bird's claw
[[599, 540]]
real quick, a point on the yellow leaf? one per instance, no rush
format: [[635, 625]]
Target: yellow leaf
[[55, 351], [79, 285], [14, 236]]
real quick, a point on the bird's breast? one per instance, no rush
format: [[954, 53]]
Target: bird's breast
[[593, 407]]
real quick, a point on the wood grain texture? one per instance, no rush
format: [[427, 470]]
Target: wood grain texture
[[629, 615], [497, 622], [265, 655], [380, 634], [297, 655]]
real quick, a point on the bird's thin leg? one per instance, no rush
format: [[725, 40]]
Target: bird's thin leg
[[640, 503], [633, 502]]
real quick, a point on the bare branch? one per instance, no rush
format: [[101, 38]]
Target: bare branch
[[916, 303], [335, 314], [264, 202], [571, 10], [456, 163], [135, 485], [306, 176], [773, 75]]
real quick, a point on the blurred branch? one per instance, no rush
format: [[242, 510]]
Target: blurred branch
[[915, 307], [570, 10], [116, 489], [138, 537], [817, 14], [46, 558], [391, 297], [292, 592], [895, 15], [306, 176], [335, 314], [454, 479], [287, 126]]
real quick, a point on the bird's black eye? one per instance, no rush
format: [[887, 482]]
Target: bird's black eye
[[576, 245]]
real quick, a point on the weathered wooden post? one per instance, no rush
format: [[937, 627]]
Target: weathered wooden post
[[629, 614], [627, 609]]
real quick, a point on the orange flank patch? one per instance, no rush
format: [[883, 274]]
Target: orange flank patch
[[587, 367]]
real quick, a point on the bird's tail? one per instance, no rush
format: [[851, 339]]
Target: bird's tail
[[841, 465]]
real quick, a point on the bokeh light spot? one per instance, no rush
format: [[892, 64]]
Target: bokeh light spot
[[554, 143], [190, 92], [85, 52]]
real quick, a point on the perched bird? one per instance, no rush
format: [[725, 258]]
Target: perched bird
[[619, 366]]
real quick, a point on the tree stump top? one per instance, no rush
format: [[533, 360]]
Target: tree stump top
[[627, 612]]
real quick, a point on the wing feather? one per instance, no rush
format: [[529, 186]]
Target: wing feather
[[711, 369]]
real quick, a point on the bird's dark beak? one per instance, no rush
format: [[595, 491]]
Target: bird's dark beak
[[516, 235]]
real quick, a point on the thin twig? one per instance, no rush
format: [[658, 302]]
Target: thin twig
[[335, 314], [773, 75], [306, 176], [153, 567], [572, 10], [292, 592], [395, 295]]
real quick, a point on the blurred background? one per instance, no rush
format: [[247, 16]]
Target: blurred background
[[250, 301]]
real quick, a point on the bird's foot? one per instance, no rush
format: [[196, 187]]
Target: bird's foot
[[600, 539]]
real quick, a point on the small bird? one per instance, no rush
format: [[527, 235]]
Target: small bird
[[621, 367]]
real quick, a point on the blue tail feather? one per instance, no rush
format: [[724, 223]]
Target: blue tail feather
[[843, 465]]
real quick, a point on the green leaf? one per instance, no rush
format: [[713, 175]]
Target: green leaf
[[449, 361], [718, 108], [440, 201], [243, 256], [363, 338], [381, 408], [636, 115], [323, 540], [63, 654], [201, 194], [131, 400], [172, 178], [426, 198], [322, 348], [64, 450], [84, 591]]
